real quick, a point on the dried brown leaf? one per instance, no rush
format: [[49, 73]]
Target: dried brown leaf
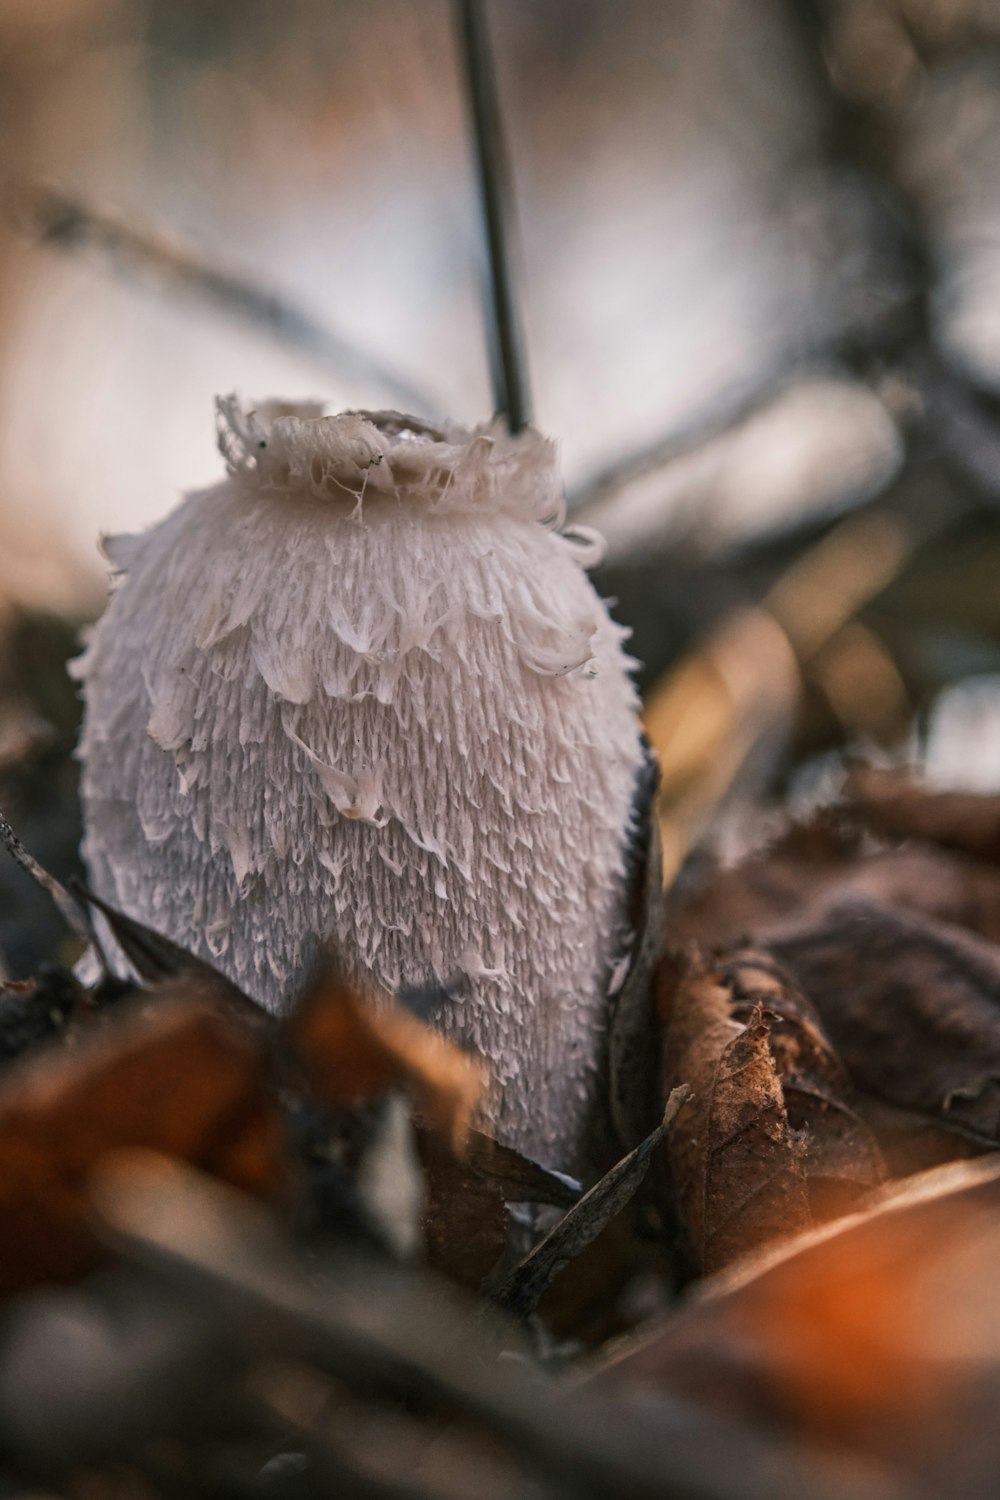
[[912, 1007], [157, 959], [841, 1160], [516, 1177], [354, 1050], [911, 1142], [465, 1212], [465, 1216], [737, 1164], [873, 1333], [812, 867], [169, 1075]]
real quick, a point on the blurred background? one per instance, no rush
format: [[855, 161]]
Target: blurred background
[[759, 246]]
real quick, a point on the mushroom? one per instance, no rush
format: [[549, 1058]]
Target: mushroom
[[363, 692]]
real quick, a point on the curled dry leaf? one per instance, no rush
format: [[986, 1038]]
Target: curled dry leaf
[[876, 937], [880, 1332], [353, 1052], [466, 1219], [913, 1009], [737, 1165], [170, 1075], [528, 1282], [841, 1160], [769, 1140]]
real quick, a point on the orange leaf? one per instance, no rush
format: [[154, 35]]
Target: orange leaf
[[355, 1050], [171, 1076]]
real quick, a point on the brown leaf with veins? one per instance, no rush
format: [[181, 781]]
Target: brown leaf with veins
[[737, 1164], [841, 1160], [913, 1008]]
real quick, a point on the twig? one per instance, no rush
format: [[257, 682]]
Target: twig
[[69, 223], [509, 369], [68, 908], [528, 1282]]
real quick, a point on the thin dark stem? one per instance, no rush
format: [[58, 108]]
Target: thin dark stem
[[68, 223], [509, 370], [68, 908]]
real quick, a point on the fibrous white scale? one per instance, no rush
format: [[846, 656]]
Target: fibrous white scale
[[364, 691]]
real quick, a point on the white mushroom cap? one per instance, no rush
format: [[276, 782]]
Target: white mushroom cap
[[364, 690]]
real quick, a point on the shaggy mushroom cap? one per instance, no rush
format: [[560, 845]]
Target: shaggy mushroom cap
[[363, 690]]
